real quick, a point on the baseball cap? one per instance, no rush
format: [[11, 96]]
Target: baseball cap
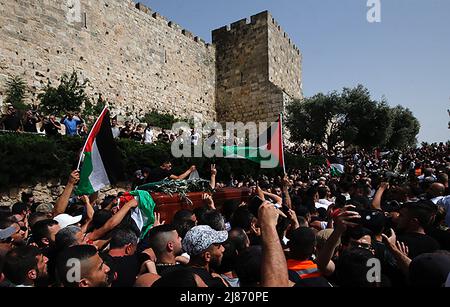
[[199, 238], [44, 208], [7, 232], [65, 220]]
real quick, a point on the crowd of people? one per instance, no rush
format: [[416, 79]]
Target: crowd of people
[[32, 121], [384, 222]]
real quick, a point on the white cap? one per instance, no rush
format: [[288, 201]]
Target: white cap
[[65, 220]]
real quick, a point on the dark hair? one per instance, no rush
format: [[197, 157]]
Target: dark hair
[[100, 218], [302, 243], [199, 214], [157, 238], [40, 230], [214, 219], [228, 263], [248, 266], [323, 191], [19, 261], [35, 217], [107, 201], [183, 227], [182, 215], [228, 208], [239, 239], [80, 252], [66, 237], [122, 237], [242, 218], [24, 197], [18, 208], [423, 211]]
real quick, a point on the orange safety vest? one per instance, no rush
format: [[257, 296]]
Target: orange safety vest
[[305, 269]]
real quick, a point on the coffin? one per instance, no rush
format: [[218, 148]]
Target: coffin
[[168, 205]]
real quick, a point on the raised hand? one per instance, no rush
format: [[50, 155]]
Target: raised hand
[[74, 177]]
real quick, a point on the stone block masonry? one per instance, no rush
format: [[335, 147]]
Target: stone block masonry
[[258, 70], [139, 60]]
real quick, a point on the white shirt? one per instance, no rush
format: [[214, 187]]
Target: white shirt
[[115, 132], [323, 203], [148, 136]]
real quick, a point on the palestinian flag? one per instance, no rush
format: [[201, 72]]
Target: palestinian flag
[[143, 215], [270, 150], [101, 164], [336, 168]]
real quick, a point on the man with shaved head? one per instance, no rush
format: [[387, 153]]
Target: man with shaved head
[[166, 244]]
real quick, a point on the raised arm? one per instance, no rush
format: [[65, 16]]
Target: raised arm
[[287, 196], [63, 200], [184, 175], [212, 183], [89, 213], [274, 271], [114, 221], [342, 221], [376, 202]]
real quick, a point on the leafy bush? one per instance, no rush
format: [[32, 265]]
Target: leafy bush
[[156, 119], [16, 89], [69, 96], [28, 159]]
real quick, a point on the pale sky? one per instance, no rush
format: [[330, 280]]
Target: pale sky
[[405, 57]]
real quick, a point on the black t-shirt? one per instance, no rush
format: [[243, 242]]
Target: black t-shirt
[[136, 136], [158, 174], [164, 269], [442, 236], [126, 269], [12, 122], [30, 125], [418, 244], [208, 279], [50, 128]]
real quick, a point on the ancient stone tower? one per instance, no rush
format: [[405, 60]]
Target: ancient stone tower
[[138, 60], [258, 70]]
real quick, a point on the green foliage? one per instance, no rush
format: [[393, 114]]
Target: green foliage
[[91, 110], [28, 159], [163, 121], [69, 96], [353, 117], [405, 128], [16, 90]]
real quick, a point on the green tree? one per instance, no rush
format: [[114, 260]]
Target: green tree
[[318, 119], [16, 92], [353, 117], [368, 122], [69, 96], [163, 121], [405, 128]]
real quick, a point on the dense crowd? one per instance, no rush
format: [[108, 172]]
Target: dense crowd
[[384, 222]]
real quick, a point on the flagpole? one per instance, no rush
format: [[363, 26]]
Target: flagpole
[[89, 136], [282, 143]]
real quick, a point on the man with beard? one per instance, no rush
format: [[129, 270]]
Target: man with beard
[[25, 266], [166, 244], [204, 246], [81, 266]]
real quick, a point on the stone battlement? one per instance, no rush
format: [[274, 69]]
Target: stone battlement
[[174, 26], [260, 19]]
